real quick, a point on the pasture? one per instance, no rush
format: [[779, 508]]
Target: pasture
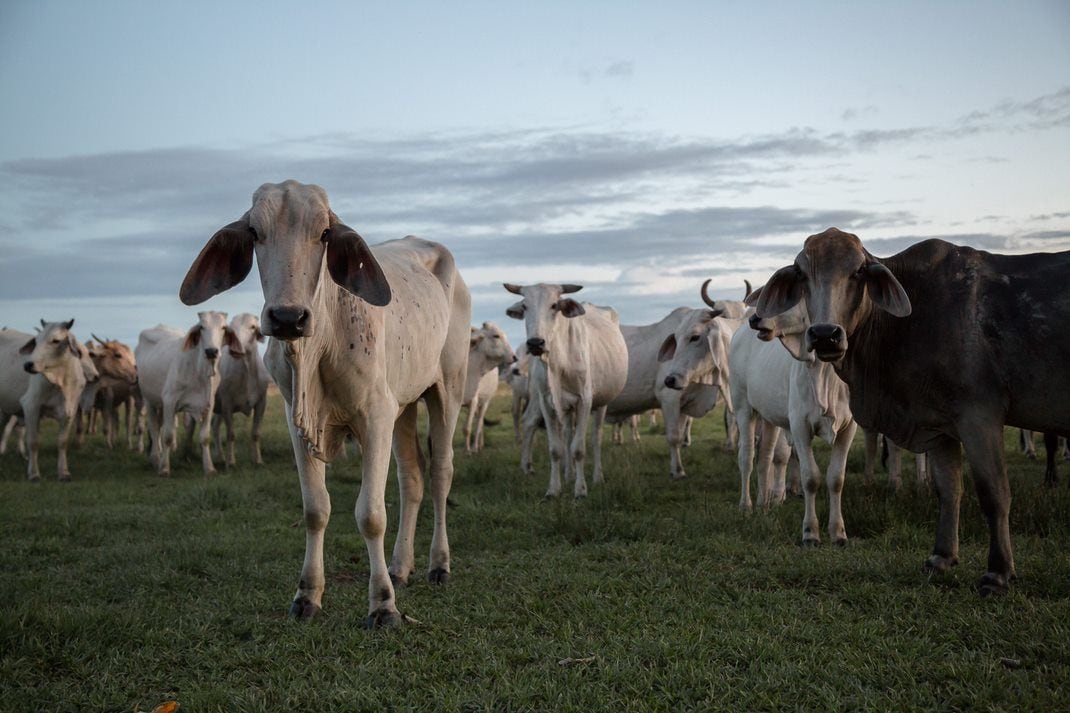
[[124, 589]]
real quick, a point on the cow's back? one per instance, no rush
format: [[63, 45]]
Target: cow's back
[[157, 348], [643, 343], [14, 379], [608, 353], [986, 337]]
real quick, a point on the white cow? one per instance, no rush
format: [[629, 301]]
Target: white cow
[[586, 366], [243, 385], [516, 375], [359, 336], [178, 372], [784, 385], [43, 376], [488, 349]]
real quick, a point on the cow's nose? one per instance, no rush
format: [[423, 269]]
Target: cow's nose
[[516, 372], [826, 338], [211, 354], [28, 366], [754, 321], [514, 360], [536, 346], [672, 382], [288, 322]]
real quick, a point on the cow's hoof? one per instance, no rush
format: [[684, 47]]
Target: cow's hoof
[[36, 478], [65, 478], [992, 584], [840, 542], [677, 476], [384, 619], [938, 564], [550, 496], [398, 581], [580, 496], [811, 542], [451, 503], [438, 575], [304, 609]]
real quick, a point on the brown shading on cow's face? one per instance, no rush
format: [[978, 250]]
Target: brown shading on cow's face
[[840, 283]]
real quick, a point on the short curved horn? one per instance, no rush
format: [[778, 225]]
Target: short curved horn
[[515, 289], [706, 296], [99, 340], [569, 289], [749, 289]]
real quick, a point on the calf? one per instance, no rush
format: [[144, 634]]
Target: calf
[[359, 337], [43, 376], [178, 372], [118, 379], [942, 346], [586, 366], [488, 348], [243, 385]]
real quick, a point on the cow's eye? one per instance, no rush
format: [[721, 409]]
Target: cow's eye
[[861, 272], [694, 338], [55, 341], [323, 235]]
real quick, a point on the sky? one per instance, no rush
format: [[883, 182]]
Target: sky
[[637, 149]]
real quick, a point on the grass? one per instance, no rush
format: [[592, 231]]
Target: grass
[[124, 589]]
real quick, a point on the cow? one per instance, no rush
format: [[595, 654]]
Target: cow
[[118, 377], [488, 348], [178, 372], [772, 379], [359, 336], [891, 457], [516, 375], [243, 386], [941, 346], [618, 426], [44, 376], [586, 366]]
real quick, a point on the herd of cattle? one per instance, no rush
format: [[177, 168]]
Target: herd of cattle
[[937, 348]]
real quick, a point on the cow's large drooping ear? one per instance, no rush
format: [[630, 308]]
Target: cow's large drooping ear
[[570, 308], [193, 338], [233, 343], [474, 340], [668, 348], [224, 262], [781, 293], [885, 290], [352, 265], [516, 311], [73, 345], [28, 347], [569, 289], [515, 289], [752, 297]]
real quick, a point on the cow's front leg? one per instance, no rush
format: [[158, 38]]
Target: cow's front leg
[[205, 435], [308, 601], [598, 419], [33, 421], [469, 423], [530, 423], [168, 427], [811, 481], [766, 451], [228, 423], [870, 437], [834, 480], [984, 450], [66, 423], [371, 514], [258, 418], [747, 424], [895, 464], [556, 445], [217, 429], [578, 446], [410, 464], [947, 477], [442, 407]]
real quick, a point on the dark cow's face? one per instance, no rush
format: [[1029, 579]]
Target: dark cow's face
[[544, 310], [296, 238], [840, 283]]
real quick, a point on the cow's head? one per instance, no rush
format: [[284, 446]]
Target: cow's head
[[492, 344], [246, 328], [697, 351], [210, 335], [114, 359], [544, 312], [53, 349], [296, 238], [789, 327], [840, 283]]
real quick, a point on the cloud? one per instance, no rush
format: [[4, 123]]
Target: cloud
[[617, 69]]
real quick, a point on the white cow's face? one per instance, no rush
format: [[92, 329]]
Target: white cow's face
[[247, 327], [690, 351], [210, 335], [544, 312], [491, 342], [53, 348], [840, 283], [296, 238]]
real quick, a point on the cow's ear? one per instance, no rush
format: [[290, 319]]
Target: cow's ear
[[885, 290], [72, 344], [28, 347], [258, 334], [224, 262], [233, 343], [352, 265], [516, 311], [795, 343], [668, 348], [781, 293], [474, 340], [752, 297], [570, 308], [193, 338]]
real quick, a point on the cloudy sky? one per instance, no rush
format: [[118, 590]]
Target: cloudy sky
[[634, 148]]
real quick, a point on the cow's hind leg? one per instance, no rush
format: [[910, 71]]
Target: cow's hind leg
[[1051, 446], [747, 423], [598, 418], [410, 465], [946, 464], [984, 450]]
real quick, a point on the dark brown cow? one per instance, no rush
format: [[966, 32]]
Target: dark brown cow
[[941, 345]]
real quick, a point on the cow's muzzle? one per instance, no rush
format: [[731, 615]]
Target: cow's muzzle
[[675, 381], [827, 341], [288, 322], [29, 367], [211, 354], [536, 346]]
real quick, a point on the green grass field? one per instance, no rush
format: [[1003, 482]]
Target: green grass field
[[122, 589]]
